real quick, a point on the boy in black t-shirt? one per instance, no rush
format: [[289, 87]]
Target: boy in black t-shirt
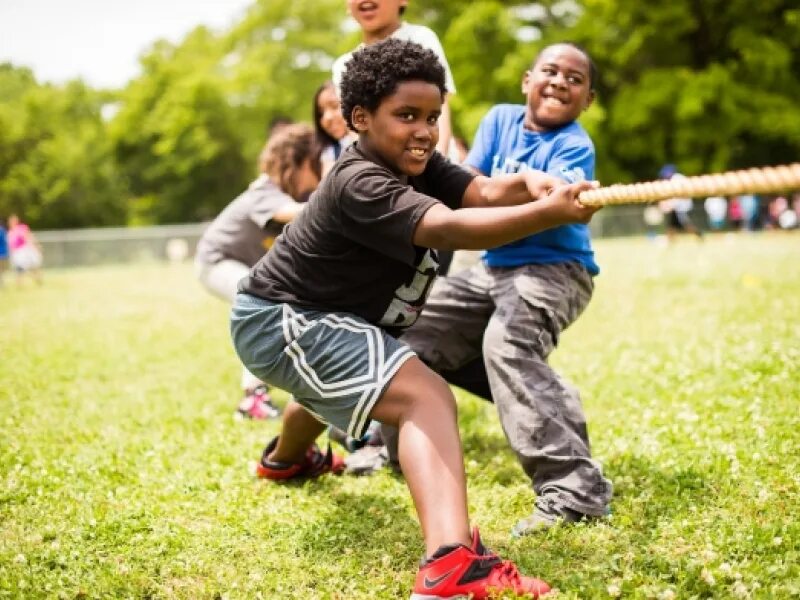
[[318, 315]]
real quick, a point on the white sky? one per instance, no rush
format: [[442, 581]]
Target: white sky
[[99, 40]]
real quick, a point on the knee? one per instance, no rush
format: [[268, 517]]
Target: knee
[[435, 394], [501, 345], [414, 389]]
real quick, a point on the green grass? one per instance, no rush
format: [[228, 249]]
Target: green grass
[[122, 473]]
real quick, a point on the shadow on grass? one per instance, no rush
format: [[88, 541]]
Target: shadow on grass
[[360, 524]]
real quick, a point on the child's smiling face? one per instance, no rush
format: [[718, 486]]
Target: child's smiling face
[[403, 130], [558, 88], [376, 15], [331, 118]]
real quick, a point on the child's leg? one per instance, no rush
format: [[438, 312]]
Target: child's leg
[[448, 334], [541, 414], [457, 564], [300, 429], [421, 404]]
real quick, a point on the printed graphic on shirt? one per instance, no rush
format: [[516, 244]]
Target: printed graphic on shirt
[[504, 165], [572, 175], [409, 298]]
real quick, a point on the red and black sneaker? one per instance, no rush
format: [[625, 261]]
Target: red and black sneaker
[[315, 464], [461, 572]]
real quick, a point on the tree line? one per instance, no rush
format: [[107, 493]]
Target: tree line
[[706, 84]]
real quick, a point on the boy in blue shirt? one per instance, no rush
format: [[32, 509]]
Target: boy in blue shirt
[[511, 308]]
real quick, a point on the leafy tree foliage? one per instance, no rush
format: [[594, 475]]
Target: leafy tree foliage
[[707, 84], [276, 58], [56, 166], [174, 137]]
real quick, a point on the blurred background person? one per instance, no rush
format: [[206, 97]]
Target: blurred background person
[[3, 252], [277, 123], [749, 204], [775, 208], [26, 254], [791, 217], [716, 208], [332, 133], [735, 213], [248, 226], [676, 210], [781, 215]]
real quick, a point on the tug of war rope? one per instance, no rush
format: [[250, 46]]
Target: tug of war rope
[[780, 178]]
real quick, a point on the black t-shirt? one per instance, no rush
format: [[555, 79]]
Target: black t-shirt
[[351, 248]]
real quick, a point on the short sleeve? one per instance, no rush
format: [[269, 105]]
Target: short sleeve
[[337, 72], [381, 213], [573, 160], [264, 203], [483, 147], [444, 180]]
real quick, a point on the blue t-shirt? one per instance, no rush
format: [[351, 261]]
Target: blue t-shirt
[[503, 145], [3, 243]]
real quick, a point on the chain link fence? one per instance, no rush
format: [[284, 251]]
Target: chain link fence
[[81, 247]]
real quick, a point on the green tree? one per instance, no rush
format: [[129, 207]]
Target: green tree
[[276, 58], [190, 128], [174, 138], [56, 167], [707, 84]]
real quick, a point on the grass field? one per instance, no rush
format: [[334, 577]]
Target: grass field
[[123, 474]]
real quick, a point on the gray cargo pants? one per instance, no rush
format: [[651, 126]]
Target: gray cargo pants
[[513, 317]]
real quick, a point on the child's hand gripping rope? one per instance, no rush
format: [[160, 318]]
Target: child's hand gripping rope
[[565, 206]]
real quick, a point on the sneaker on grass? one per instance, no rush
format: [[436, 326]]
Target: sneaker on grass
[[366, 460], [316, 463], [547, 515], [257, 405], [460, 572]]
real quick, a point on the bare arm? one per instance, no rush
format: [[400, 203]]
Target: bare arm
[[287, 212], [445, 129], [509, 190], [480, 228]]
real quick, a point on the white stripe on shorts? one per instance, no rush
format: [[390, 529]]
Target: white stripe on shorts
[[370, 385]]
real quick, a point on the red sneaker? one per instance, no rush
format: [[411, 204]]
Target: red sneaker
[[315, 464], [472, 573]]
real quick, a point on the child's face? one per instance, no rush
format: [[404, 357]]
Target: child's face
[[331, 120], [376, 15], [558, 88], [305, 180], [403, 130]]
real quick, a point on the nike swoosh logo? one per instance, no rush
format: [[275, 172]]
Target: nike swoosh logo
[[432, 583]]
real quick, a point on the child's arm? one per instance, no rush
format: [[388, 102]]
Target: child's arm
[[481, 228], [287, 212], [510, 189], [445, 129]]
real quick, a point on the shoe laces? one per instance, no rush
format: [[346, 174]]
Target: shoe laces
[[506, 575]]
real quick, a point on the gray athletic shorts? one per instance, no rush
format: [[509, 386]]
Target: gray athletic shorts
[[336, 365]]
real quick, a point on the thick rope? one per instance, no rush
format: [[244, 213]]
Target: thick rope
[[767, 179]]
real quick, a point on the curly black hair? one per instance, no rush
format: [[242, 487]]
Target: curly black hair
[[374, 72]]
